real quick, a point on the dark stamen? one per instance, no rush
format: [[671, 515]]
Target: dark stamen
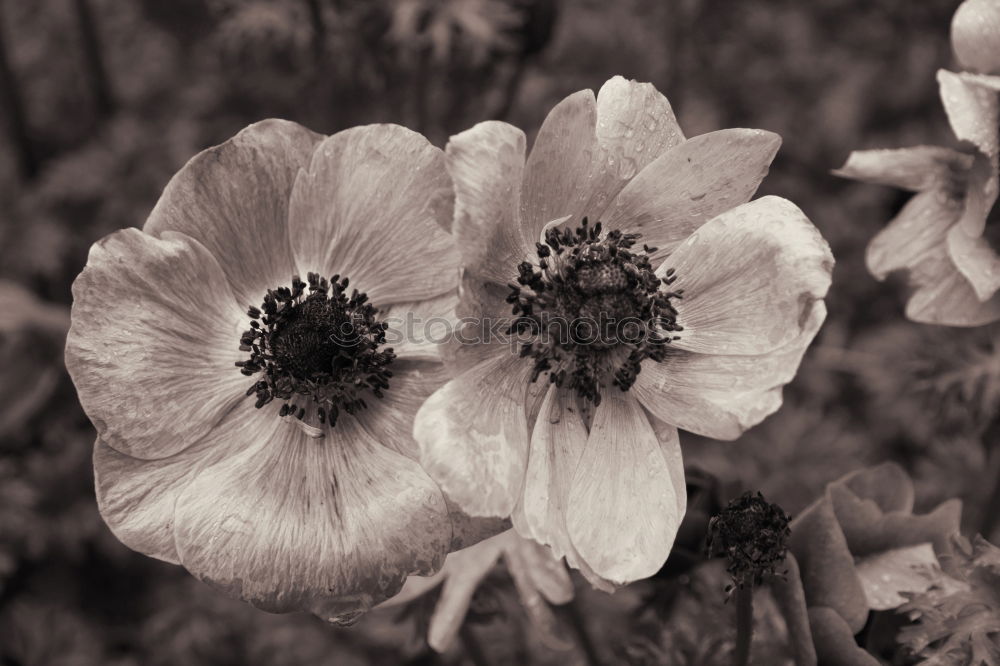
[[593, 308], [322, 345]]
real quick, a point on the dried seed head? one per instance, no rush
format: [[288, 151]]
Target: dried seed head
[[753, 535]]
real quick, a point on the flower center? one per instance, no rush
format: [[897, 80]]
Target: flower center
[[317, 350], [592, 309]]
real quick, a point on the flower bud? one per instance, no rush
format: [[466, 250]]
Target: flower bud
[[975, 35]]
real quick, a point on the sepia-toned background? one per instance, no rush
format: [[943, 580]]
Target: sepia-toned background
[[103, 100]]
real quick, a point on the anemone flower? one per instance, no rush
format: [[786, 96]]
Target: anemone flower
[[252, 425], [944, 238], [540, 579], [564, 415]]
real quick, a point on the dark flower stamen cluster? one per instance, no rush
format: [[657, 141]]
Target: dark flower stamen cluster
[[753, 535], [592, 309], [322, 346]]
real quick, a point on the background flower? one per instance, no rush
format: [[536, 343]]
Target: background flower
[[942, 238]]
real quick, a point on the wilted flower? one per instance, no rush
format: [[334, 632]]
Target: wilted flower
[[540, 580], [601, 325], [268, 449], [942, 237], [752, 534]]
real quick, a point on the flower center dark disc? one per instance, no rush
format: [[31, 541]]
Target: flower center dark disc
[[592, 309], [316, 348]]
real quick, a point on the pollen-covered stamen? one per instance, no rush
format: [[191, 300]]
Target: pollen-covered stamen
[[592, 309], [319, 351]]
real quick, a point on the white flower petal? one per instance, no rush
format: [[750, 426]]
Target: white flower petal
[[943, 295], [917, 241], [487, 166], [670, 444], [419, 331], [417, 586], [540, 580], [557, 443], [622, 514], [373, 206], [982, 80], [751, 277], [481, 299], [635, 125], [480, 333], [916, 169], [538, 569], [136, 497], [918, 231], [466, 569], [972, 111], [555, 175], [389, 420], [972, 254], [692, 183], [233, 199], [975, 258], [721, 396], [153, 344], [887, 575], [469, 530], [331, 525], [473, 435], [975, 35]]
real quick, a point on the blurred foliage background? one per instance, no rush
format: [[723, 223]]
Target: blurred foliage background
[[103, 100]]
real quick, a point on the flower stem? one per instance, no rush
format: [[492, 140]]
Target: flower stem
[[744, 625], [472, 646], [571, 612], [17, 119], [991, 510], [318, 29], [100, 84]]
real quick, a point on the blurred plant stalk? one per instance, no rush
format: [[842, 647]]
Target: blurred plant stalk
[[12, 100], [90, 41], [32, 334]]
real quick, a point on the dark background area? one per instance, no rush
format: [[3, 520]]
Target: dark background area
[[104, 100]]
